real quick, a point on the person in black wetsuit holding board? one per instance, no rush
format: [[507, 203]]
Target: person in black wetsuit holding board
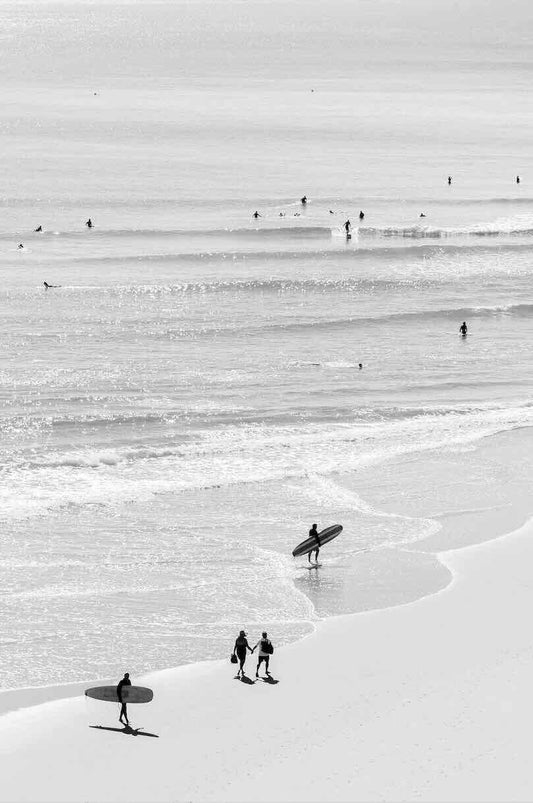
[[123, 711], [314, 534]]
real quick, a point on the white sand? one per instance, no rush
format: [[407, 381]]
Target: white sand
[[428, 701]]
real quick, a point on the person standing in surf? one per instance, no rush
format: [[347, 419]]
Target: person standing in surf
[[241, 645], [123, 710], [265, 651], [347, 227], [463, 329], [313, 533]]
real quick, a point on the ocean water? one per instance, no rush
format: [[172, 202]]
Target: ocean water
[[188, 401]]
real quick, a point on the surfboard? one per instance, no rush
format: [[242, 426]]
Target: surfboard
[[130, 694], [324, 536]]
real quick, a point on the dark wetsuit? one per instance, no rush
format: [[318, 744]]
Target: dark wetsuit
[[314, 534], [123, 711], [241, 645]]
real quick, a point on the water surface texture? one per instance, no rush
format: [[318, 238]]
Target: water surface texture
[[179, 411]]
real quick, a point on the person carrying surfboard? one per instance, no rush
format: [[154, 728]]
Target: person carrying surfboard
[[265, 651], [314, 534], [123, 711], [241, 645]]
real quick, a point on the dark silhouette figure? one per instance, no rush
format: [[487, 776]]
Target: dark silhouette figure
[[361, 215], [256, 214], [20, 245], [50, 286], [360, 366], [347, 226], [518, 179], [463, 329], [89, 224], [422, 214], [303, 200], [449, 180], [241, 645], [331, 212], [314, 534], [39, 228], [123, 710], [265, 651], [282, 214]]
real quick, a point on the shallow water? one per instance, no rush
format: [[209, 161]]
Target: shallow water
[[179, 411]]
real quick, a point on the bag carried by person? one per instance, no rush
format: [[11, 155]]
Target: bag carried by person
[[267, 647], [233, 658]]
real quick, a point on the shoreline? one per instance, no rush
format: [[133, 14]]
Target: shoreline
[[19, 698], [425, 695]]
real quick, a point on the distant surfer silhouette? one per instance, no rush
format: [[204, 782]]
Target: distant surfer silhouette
[[256, 214], [518, 179], [282, 214], [422, 214], [360, 366], [463, 329], [20, 245], [50, 286], [449, 179], [303, 200], [347, 227], [241, 645], [39, 228], [265, 651], [123, 710], [314, 534], [89, 224], [361, 215]]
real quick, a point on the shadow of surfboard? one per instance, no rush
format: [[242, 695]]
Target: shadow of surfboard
[[126, 731]]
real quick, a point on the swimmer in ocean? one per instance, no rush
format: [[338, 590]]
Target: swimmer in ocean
[[256, 214], [449, 180], [360, 366], [463, 329], [422, 214], [20, 245], [89, 224], [361, 215]]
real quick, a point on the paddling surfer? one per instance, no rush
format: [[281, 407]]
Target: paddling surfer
[[314, 534], [50, 286], [123, 710], [89, 224], [241, 645]]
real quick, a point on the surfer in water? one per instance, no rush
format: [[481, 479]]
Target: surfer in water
[[50, 286], [123, 711], [89, 224], [347, 227], [361, 215], [39, 228], [265, 651], [256, 214], [449, 180], [303, 200], [314, 534], [463, 329], [241, 645]]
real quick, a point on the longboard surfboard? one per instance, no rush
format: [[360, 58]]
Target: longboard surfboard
[[130, 694], [324, 536]]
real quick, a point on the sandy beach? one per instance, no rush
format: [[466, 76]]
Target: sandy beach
[[429, 700]]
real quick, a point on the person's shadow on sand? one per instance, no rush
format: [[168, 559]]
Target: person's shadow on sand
[[127, 730], [245, 679]]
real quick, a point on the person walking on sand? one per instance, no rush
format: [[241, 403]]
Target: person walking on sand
[[463, 329], [123, 710], [241, 645], [265, 651], [314, 534]]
